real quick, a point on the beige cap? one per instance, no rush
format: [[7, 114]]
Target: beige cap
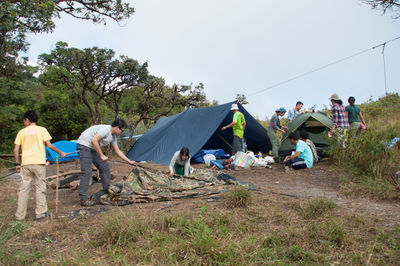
[[335, 97]]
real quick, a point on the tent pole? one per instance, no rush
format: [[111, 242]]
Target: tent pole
[[224, 140]]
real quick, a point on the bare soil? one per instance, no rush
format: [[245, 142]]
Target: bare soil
[[319, 181]]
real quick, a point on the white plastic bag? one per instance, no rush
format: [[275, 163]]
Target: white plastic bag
[[269, 159], [260, 162], [208, 158]]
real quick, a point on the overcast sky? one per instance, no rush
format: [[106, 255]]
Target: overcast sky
[[247, 46]]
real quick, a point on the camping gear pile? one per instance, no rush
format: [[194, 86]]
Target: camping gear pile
[[149, 185], [244, 160]]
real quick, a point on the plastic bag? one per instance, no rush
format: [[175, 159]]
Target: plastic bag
[[208, 158]]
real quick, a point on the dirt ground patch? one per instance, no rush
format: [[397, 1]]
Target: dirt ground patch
[[321, 181]]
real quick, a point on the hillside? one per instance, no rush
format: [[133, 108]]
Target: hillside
[[371, 166]]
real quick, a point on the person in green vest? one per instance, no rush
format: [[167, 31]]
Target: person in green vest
[[275, 125], [354, 115], [238, 124]]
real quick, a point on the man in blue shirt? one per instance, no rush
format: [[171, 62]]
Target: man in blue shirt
[[293, 113], [303, 157]]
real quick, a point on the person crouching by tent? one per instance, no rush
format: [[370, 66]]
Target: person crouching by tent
[[180, 163], [354, 115], [89, 147], [238, 124], [275, 125], [303, 157], [305, 137]]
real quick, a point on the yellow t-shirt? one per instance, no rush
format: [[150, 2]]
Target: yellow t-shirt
[[32, 141]]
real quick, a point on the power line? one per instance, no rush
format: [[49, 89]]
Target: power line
[[325, 66]]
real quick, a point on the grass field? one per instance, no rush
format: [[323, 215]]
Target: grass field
[[265, 229]]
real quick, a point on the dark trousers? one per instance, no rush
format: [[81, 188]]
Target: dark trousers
[[88, 157], [296, 163], [237, 144]]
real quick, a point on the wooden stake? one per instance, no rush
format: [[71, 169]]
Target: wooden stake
[[57, 186]]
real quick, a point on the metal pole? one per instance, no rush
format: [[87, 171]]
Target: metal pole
[[384, 66], [57, 186]]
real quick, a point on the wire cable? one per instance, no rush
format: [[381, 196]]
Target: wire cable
[[323, 67]]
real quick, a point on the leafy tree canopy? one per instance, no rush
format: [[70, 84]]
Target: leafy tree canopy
[[20, 17]]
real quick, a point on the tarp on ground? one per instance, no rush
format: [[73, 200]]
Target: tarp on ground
[[198, 157], [196, 128], [64, 146], [149, 185], [316, 124]]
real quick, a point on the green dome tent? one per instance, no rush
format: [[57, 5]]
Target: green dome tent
[[316, 124]]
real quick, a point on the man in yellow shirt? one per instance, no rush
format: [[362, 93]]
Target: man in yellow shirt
[[32, 140], [238, 124]]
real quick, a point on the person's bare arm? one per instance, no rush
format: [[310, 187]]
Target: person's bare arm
[[362, 119], [296, 155], [122, 155], [16, 158], [54, 148], [228, 126], [244, 125], [281, 130], [96, 146]]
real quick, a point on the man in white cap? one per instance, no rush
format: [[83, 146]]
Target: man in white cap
[[238, 124]]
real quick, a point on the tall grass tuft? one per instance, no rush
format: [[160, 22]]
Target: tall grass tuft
[[240, 196], [366, 156], [317, 208]]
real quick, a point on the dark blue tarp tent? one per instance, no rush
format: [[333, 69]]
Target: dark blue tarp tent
[[196, 128], [64, 146]]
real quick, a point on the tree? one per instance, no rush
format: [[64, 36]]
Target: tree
[[385, 5], [93, 75], [241, 98], [155, 99], [61, 111], [20, 17], [17, 94]]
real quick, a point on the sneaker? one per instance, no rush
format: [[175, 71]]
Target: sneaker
[[88, 203], [42, 217]]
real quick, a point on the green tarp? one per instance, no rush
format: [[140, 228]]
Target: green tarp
[[149, 185], [316, 124]]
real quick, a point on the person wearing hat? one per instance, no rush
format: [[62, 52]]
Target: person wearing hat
[[238, 124], [339, 115], [340, 122], [275, 125]]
